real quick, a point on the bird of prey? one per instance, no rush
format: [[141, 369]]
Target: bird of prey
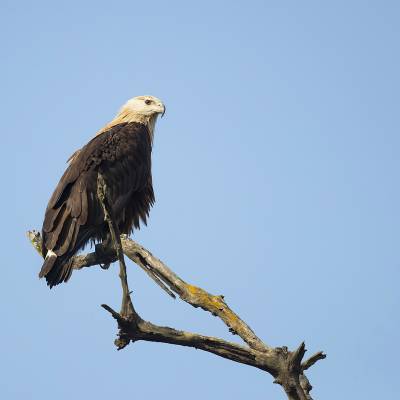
[[121, 153]]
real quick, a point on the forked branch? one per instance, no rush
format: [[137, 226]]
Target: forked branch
[[285, 366]]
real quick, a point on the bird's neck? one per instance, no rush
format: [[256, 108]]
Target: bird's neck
[[126, 116]]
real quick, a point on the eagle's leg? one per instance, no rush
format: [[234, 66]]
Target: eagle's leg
[[107, 243], [104, 250]]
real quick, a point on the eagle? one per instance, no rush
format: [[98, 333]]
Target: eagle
[[121, 153]]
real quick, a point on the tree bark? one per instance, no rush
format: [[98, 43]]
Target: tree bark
[[287, 367]]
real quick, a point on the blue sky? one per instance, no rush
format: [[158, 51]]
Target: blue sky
[[276, 173]]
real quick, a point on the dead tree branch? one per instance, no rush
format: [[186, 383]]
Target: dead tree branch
[[285, 366], [191, 294], [126, 306]]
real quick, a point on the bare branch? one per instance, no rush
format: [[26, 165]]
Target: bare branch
[[286, 367], [101, 256], [143, 330], [312, 360], [193, 295], [126, 306]]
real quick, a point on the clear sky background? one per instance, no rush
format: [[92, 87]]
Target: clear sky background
[[276, 173]]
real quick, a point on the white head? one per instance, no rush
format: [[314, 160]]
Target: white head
[[141, 109], [144, 105]]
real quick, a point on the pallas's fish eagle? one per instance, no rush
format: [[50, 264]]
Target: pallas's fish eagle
[[121, 153]]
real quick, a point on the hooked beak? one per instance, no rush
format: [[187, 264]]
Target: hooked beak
[[164, 109]]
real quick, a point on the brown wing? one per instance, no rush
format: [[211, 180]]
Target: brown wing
[[74, 216]]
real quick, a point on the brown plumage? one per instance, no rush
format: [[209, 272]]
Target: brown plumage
[[74, 216]]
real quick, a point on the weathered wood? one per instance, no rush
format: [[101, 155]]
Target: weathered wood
[[191, 294], [137, 329], [285, 366], [126, 306]]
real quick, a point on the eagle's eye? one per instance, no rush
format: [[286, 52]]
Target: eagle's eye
[[147, 101]]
